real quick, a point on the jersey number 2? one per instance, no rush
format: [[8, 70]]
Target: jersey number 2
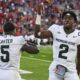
[[63, 51], [5, 53]]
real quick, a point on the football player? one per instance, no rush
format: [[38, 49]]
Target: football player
[[10, 52], [65, 42]]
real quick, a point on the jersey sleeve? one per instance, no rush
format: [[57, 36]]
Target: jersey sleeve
[[53, 29], [22, 40], [78, 40]]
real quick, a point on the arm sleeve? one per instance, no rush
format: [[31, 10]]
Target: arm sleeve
[[53, 29], [22, 40]]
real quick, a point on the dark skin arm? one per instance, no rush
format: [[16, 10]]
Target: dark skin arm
[[43, 34], [78, 60]]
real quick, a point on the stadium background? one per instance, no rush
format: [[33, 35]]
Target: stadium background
[[22, 13]]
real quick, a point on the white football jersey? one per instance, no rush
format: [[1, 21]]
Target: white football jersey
[[64, 45], [10, 51]]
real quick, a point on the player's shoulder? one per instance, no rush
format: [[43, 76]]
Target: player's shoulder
[[56, 26], [78, 32], [20, 37], [17, 38]]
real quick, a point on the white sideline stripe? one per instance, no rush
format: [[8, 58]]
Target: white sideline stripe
[[37, 59], [25, 72], [23, 79]]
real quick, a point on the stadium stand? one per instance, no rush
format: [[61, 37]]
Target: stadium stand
[[23, 13]]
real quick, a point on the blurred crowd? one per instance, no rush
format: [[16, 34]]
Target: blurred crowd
[[23, 13]]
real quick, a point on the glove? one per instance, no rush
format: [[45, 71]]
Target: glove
[[30, 47]]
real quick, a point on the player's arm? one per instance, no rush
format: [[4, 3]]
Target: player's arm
[[30, 48], [38, 33], [78, 60]]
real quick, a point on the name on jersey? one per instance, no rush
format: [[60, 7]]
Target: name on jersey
[[6, 41], [67, 42]]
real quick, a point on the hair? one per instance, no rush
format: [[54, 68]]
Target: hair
[[8, 27], [71, 14]]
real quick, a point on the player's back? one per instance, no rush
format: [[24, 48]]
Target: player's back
[[10, 51]]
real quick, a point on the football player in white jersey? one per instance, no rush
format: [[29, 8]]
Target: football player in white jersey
[[10, 52], [65, 41]]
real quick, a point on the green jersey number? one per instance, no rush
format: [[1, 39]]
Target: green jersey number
[[64, 49]]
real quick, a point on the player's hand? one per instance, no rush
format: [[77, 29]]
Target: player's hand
[[30, 47], [38, 21], [40, 7], [32, 42]]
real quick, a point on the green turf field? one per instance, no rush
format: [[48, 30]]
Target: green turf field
[[37, 64]]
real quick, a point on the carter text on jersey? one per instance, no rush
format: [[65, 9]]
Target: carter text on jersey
[[6, 41]]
